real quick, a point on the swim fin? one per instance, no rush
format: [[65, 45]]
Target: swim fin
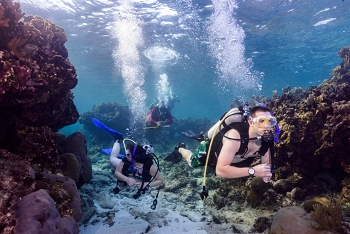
[[114, 133], [192, 135], [174, 157]]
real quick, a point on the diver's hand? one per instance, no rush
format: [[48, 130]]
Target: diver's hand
[[266, 179], [130, 181], [138, 185], [263, 171]]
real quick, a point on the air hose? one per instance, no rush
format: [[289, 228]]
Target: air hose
[[204, 193]]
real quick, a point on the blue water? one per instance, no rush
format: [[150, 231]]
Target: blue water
[[210, 51]]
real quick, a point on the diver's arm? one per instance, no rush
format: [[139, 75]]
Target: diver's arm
[[150, 117], [227, 153], [225, 170], [170, 118], [158, 180], [119, 175], [266, 160]]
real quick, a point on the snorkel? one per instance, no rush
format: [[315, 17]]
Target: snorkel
[[277, 133]]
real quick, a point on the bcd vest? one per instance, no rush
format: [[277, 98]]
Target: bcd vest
[[243, 129], [146, 173]]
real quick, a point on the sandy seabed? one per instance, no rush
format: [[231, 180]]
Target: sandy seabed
[[121, 213], [136, 216]]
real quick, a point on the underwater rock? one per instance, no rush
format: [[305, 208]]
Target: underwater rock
[[297, 194], [105, 201], [76, 144], [36, 213], [326, 181], [282, 186], [71, 189], [256, 190], [261, 224], [88, 209], [258, 186], [293, 220], [72, 166], [346, 188], [60, 138], [35, 88]]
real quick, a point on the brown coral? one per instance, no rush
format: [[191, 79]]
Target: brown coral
[[4, 23], [10, 14], [37, 32], [345, 54], [327, 217]]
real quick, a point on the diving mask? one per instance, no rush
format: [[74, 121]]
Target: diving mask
[[264, 121]]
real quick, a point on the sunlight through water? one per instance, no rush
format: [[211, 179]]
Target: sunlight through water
[[127, 30], [226, 38]]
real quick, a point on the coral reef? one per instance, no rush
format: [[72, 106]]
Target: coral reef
[[315, 122], [76, 144], [314, 138], [36, 100], [327, 217]]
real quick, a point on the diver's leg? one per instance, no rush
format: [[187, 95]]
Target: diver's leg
[[186, 154], [113, 159]]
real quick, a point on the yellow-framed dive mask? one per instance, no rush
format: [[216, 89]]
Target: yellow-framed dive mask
[[264, 121]]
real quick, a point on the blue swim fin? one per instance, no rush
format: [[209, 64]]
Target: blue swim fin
[[107, 151], [114, 133]]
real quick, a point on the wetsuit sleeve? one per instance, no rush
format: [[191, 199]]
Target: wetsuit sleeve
[[151, 117]]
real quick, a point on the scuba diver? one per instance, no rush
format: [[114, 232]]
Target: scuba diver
[[231, 145], [136, 167], [159, 116]]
